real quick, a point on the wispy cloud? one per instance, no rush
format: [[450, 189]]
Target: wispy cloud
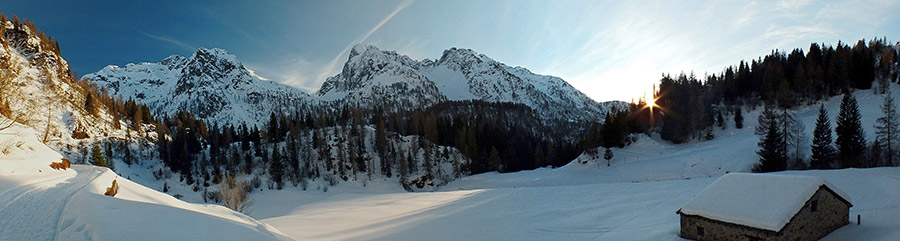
[[332, 65], [170, 40], [296, 72]]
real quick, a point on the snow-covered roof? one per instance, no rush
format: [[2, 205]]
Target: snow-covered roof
[[761, 201]]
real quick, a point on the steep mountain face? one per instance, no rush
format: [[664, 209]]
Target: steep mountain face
[[211, 84], [38, 90], [374, 77]]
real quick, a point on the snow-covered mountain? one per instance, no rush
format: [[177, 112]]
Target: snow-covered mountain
[[215, 86], [211, 84], [374, 77]]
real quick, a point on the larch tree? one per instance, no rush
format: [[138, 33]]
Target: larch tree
[[886, 128], [792, 130]]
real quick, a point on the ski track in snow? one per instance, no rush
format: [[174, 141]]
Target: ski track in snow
[[30, 207]]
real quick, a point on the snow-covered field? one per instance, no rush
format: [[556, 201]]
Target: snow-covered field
[[601, 211], [635, 198]]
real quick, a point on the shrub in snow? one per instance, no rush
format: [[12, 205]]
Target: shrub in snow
[[112, 190], [255, 183], [65, 164], [234, 194]]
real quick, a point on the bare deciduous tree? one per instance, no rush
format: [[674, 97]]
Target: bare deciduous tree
[[235, 194]]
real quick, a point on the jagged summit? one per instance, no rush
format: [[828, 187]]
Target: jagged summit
[[372, 77], [211, 84], [215, 85]]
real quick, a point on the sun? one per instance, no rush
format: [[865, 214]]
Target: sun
[[651, 103]]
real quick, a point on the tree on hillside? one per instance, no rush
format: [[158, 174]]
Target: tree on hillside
[[822, 150], [738, 118], [793, 131], [851, 141], [886, 129], [97, 158], [766, 118], [276, 167], [772, 152], [89, 104], [608, 155]]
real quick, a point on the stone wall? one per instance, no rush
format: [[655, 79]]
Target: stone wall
[[831, 213], [718, 230]]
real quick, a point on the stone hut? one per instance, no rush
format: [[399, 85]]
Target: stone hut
[[741, 206]]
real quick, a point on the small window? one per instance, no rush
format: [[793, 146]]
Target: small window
[[699, 231], [813, 205]]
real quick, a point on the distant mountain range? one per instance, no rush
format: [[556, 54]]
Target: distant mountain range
[[215, 86]]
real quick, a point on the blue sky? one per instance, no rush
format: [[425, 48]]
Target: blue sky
[[611, 50]]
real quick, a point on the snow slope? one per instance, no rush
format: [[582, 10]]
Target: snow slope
[[21, 151], [47, 204], [635, 198]]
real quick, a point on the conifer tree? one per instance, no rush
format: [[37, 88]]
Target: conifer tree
[[822, 150], [97, 158], [738, 118], [851, 141], [766, 118], [276, 167], [494, 159], [381, 142], [772, 153], [273, 129], [608, 155], [886, 129]]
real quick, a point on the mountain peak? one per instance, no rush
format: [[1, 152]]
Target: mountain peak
[[372, 76], [363, 48], [211, 84], [215, 55]]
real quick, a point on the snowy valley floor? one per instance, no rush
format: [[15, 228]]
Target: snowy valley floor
[[600, 211], [635, 198]]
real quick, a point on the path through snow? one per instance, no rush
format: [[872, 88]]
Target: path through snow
[[32, 210]]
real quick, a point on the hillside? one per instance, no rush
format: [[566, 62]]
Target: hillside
[[38, 89], [44, 204]]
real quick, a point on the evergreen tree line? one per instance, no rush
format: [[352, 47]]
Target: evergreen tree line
[[503, 137], [690, 106], [848, 150], [297, 147]]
